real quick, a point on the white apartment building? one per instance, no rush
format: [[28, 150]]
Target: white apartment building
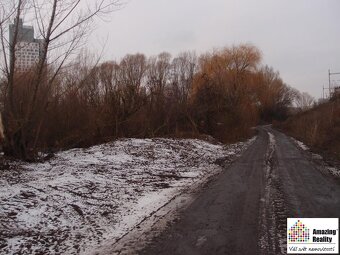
[[27, 55], [27, 49]]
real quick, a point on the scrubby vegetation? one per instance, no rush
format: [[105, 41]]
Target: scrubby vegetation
[[318, 127]]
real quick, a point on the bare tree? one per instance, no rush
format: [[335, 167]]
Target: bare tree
[[132, 70], [304, 101], [63, 26], [158, 72], [183, 69]]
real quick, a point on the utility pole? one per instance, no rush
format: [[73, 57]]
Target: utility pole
[[329, 81], [323, 92]]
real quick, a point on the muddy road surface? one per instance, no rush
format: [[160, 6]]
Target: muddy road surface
[[244, 209]]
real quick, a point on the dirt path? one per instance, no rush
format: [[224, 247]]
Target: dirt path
[[244, 210]]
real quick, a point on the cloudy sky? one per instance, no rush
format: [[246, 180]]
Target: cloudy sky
[[299, 38]]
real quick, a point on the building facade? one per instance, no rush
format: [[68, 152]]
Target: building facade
[[27, 49]]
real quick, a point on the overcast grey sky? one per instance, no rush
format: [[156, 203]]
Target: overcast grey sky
[[299, 38]]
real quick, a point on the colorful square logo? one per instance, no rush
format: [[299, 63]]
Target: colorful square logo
[[298, 233]]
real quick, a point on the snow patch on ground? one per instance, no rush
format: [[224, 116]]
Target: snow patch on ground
[[334, 171], [323, 166], [84, 197], [301, 144]]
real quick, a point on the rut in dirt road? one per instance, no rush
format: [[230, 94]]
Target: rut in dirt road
[[273, 210], [244, 209]]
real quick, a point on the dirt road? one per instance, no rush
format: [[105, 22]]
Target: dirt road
[[244, 210]]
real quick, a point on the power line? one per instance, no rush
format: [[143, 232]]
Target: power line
[[330, 89]]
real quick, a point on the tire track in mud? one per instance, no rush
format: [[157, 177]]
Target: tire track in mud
[[273, 212]]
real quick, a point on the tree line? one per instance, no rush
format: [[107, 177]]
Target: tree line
[[64, 102], [222, 93]]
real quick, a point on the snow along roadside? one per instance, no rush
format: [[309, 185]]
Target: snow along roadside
[[82, 198], [153, 224], [323, 166]]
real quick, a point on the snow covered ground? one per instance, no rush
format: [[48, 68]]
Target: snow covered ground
[[323, 165], [84, 197]]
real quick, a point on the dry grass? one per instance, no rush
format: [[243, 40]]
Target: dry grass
[[319, 127]]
